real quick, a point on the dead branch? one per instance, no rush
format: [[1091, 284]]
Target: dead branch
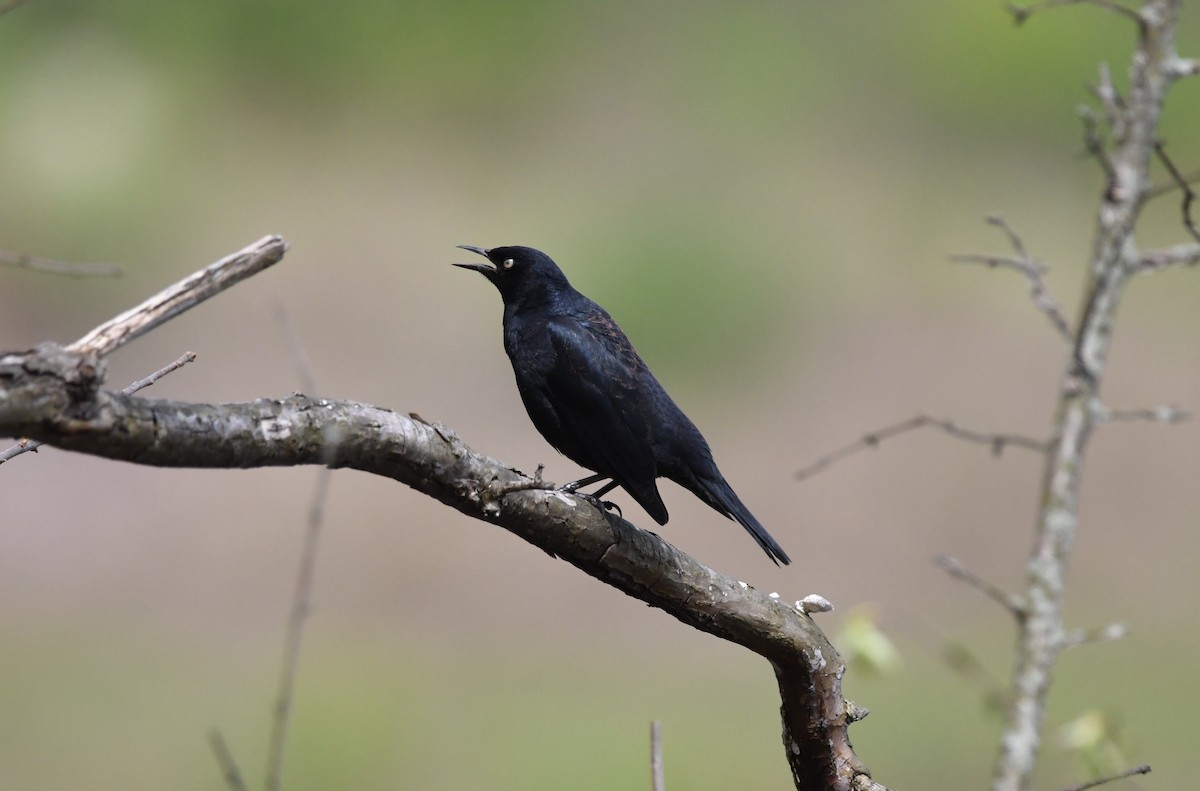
[[56, 395]]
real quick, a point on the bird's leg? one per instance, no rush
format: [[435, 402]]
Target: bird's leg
[[574, 486], [605, 489]]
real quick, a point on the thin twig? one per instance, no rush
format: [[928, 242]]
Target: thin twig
[[1022, 13], [1102, 634], [301, 363], [1094, 144], [1189, 196], [997, 442], [657, 776], [140, 384], [1032, 271], [27, 445], [23, 261], [1144, 769], [1167, 415], [302, 596], [186, 294], [1162, 189], [229, 767], [1179, 255], [960, 572], [294, 638], [1115, 109]]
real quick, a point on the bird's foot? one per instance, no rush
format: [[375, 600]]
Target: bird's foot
[[603, 505]]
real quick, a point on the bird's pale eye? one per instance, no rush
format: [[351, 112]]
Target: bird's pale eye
[[508, 263]]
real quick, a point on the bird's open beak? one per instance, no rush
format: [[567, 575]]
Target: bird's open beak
[[486, 270]]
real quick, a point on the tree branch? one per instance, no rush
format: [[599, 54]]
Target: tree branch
[[55, 395], [27, 445], [1041, 636]]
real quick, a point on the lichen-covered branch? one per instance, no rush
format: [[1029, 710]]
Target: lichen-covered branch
[[55, 395], [1114, 260]]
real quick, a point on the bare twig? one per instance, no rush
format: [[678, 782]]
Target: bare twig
[[1022, 13], [1144, 769], [31, 445], [1115, 109], [1189, 196], [1179, 255], [301, 363], [184, 295], [997, 442], [302, 596], [1094, 144], [141, 384], [1167, 415], [657, 775], [1102, 634], [1032, 271], [229, 767], [1159, 190], [951, 566], [294, 638], [23, 261]]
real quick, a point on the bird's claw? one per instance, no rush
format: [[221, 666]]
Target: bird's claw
[[603, 505]]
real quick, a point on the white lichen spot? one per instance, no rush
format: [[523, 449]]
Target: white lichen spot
[[274, 430], [744, 585], [772, 595], [566, 498], [491, 508], [795, 748], [820, 663]]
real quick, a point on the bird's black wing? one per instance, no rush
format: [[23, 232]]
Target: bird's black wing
[[598, 398]]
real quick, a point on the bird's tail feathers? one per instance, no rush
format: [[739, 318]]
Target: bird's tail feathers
[[720, 495]]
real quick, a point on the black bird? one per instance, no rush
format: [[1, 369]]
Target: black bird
[[591, 396]]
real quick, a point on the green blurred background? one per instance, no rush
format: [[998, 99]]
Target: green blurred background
[[764, 195]]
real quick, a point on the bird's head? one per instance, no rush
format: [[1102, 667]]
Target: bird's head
[[520, 273]]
